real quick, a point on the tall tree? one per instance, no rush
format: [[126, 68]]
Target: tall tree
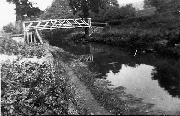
[[58, 9], [114, 13], [163, 5], [24, 7], [107, 7], [111, 3], [17, 4], [83, 8]]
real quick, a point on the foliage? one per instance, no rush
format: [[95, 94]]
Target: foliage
[[163, 5], [163, 73], [9, 28], [111, 3], [98, 10], [59, 9], [24, 7], [116, 13], [84, 6], [32, 89], [9, 47]]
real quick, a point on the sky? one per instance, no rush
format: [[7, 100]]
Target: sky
[[7, 12]]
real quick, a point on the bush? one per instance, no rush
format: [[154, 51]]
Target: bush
[[9, 28], [9, 47], [32, 89]]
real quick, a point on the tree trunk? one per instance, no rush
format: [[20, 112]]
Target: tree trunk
[[18, 24], [18, 15], [19, 27], [86, 30], [86, 14]]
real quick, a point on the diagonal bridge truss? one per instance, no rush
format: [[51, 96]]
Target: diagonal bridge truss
[[31, 28], [57, 23]]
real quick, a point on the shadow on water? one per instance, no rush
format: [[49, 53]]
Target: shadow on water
[[154, 79]]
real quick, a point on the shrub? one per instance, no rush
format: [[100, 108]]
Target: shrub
[[9, 28], [32, 89], [9, 47]]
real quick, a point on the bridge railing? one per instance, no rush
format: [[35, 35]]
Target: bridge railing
[[31, 27], [56, 23]]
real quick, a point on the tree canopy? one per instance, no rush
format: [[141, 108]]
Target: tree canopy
[[83, 7], [163, 5], [58, 9], [24, 7], [98, 10]]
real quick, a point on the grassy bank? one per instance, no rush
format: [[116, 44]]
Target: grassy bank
[[31, 87], [49, 87]]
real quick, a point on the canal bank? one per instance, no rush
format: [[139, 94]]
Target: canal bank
[[81, 101]]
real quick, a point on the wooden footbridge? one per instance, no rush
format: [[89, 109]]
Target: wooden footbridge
[[31, 34]]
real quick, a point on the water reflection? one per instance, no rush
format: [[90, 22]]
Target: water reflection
[[137, 81], [169, 78], [165, 71]]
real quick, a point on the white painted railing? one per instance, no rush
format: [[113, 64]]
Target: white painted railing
[[31, 27], [56, 23]]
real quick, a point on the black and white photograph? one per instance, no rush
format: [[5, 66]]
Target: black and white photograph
[[89, 57]]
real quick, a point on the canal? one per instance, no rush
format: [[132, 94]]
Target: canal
[[149, 77]]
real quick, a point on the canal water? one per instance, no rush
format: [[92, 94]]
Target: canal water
[[152, 78]]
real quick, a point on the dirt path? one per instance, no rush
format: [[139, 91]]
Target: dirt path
[[82, 96]]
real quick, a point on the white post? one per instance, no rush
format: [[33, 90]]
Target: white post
[[27, 37], [34, 37], [31, 37], [39, 37]]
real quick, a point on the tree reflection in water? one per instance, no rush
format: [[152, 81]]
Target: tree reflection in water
[[166, 72], [168, 77]]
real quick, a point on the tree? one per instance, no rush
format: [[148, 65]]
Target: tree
[[163, 5], [83, 8], [58, 9], [115, 12], [24, 7], [9, 28], [111, 3]]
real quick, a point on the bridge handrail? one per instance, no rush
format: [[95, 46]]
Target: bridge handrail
[[57, 23]]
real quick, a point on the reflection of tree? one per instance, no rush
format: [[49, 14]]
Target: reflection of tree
[[104, 62], [168, 78], [104, 68]]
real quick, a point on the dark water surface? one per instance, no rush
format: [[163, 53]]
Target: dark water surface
[[154, 79]]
